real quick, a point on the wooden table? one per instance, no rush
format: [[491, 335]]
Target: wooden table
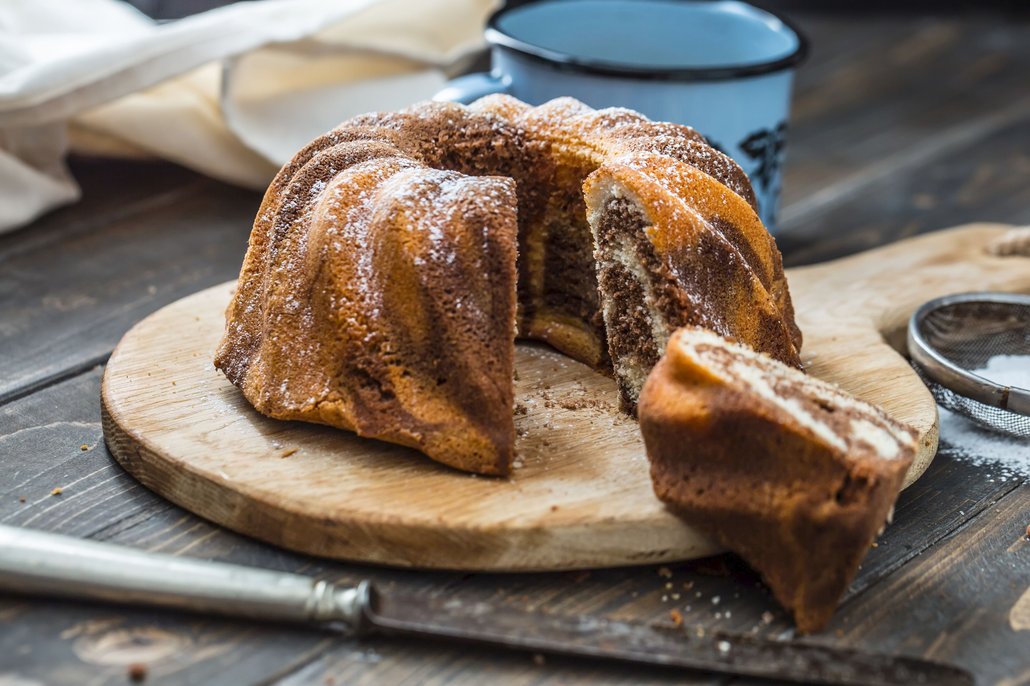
[[902, 124]]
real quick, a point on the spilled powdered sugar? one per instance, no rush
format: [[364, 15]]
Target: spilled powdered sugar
[[1007, 457]]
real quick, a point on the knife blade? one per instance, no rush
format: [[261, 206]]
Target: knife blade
[[41, 563]]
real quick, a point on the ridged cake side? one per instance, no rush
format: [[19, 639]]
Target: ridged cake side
[[790, 472], [379, 296]]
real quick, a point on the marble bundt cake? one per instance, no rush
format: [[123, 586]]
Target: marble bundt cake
[[394, 260], [788, 471]]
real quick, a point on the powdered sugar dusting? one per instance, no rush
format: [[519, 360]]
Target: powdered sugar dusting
[[1007, 370], [1006, 456]]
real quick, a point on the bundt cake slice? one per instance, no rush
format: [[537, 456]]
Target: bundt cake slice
[[788, 471], [676, 247], [378, 295]]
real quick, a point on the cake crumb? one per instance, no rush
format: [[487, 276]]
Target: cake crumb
[[57, 491], [554, 508], [665, 572], [539, 660], [21, 499], [291, 451], [687, 585], [668, 585], [677, 618], [521, 409], [84, 447], [137, 672], [767, 617]]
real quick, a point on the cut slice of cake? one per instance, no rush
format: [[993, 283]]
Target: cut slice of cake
[[790, 472], [675, 247]]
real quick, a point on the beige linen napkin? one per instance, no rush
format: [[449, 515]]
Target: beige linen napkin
[[232, 93]]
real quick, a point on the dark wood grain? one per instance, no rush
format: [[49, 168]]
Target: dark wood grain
[[953, 603], [910, 89], [987, 179], [68, 293]]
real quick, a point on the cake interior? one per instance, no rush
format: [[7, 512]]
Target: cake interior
[[843, 422], [627, 273]]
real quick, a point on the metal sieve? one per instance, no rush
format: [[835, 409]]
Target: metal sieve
[[950, 338]]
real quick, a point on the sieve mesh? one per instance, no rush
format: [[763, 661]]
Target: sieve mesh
[[968, 332]]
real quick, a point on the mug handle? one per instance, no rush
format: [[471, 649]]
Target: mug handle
[[465, 89]]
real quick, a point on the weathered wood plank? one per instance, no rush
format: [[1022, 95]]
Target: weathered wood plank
[[916, 86], [954, 602], [985, 180], [67, 299]]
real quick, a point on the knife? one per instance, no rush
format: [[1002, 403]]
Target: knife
[[41, 563]]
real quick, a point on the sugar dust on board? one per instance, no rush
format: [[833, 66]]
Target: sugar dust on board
[[1005, 456]]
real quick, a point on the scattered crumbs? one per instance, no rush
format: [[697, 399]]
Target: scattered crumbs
[[137, 672], [57, 491], [539, 660], [767, 617], [715, 600], [665, 572], [291, 451], [84, 447], [723, 646], [668, 586], [21, 499], [580, 576], [687, 585], [677, 618], [675, 596], [520, 409]]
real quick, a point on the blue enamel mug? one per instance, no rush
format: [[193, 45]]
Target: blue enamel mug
[[724, 67]]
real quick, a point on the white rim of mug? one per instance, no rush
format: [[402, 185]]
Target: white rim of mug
[[565, 62]]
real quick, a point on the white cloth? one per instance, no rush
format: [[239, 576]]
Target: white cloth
[[232, 92]]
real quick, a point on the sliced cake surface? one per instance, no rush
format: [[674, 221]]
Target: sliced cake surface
[[790, 472]]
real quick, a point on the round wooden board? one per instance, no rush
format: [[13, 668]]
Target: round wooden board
[[580, 495]]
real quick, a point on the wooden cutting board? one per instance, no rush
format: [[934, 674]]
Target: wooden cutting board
[[580, 495]]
